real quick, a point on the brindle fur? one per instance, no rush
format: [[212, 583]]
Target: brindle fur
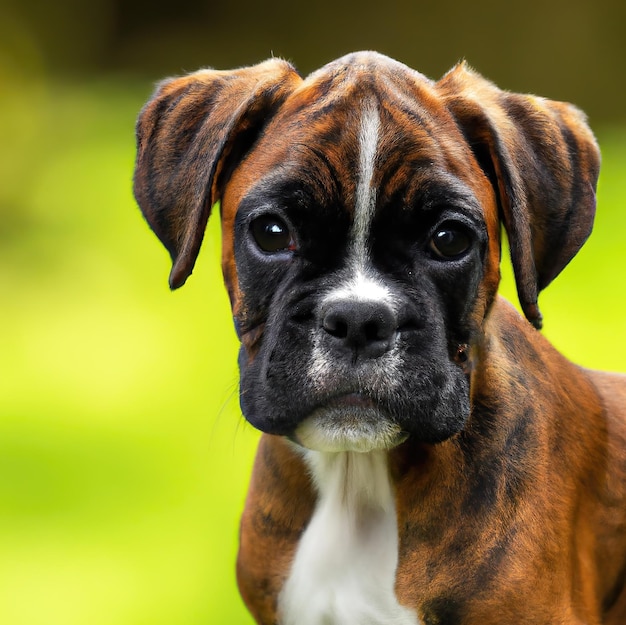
[[520, 517]]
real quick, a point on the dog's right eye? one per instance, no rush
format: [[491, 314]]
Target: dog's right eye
[[272, 234]]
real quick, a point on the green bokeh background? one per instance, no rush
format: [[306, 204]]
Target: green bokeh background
[[123, 456]]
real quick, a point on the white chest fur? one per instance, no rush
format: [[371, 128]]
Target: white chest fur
[[345, 565]]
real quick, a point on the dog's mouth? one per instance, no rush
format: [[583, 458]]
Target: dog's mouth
[[351, 422]]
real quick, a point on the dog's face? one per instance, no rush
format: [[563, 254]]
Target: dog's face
[[360, 243], [361, 212]]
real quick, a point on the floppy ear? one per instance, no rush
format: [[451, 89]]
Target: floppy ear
[[188, 135], [543, 162]]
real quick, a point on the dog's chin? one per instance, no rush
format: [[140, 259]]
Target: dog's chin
[[348, 428]]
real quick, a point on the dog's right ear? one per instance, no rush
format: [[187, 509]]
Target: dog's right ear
[[185, 136]]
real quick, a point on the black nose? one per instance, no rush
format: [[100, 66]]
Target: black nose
[[366, 329]]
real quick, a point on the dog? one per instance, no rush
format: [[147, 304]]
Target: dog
[[427, 456]]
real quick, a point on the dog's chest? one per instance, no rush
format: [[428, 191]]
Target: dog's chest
[[345, 565]]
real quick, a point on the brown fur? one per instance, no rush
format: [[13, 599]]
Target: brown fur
[[521, 517], [488, 535]]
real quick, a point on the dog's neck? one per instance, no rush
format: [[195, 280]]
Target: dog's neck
[[345, 565]]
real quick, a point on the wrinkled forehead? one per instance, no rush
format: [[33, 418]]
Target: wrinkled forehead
[[365, 129], [377, 102]]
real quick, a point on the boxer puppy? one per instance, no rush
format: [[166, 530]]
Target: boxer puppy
[[428, 457]]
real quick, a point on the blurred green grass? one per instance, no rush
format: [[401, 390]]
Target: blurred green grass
[[123, 456]]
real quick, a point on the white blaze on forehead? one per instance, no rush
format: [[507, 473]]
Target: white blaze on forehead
[[365, 192], [362, 284]]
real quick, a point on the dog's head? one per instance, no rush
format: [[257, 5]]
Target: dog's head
[[361, 213]]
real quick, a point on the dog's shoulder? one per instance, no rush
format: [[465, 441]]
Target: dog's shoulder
[[523, 366]]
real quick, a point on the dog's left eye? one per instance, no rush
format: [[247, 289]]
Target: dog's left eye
[[450, 241], [272, 234]]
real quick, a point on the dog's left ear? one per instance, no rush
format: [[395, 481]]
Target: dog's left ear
[[543, 162], [188, 136]]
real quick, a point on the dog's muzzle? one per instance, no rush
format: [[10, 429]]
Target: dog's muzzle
[[356, 335]]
